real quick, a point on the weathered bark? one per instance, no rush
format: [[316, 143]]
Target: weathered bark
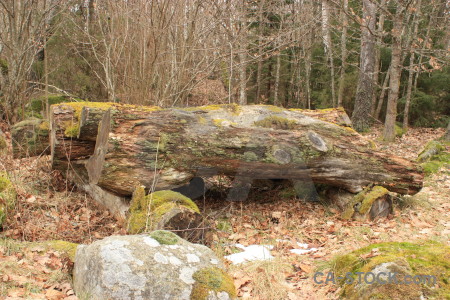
[[409, 88], [326, 32], [165, 148], [378, 42], [361, 116], [383, 93], [30, 138], [343, 52], [395, 73]]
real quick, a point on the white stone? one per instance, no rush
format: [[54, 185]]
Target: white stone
[[192, 258], [160, 258]]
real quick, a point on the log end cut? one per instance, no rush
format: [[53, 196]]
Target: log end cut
[[372, 203], [166, 210]]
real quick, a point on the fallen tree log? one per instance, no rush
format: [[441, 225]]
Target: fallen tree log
[[165, 148]]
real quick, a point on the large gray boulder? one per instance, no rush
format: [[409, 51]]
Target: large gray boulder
[[159, 266]]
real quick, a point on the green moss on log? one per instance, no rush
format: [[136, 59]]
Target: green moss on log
[[72, 130], [276, 122], [146, 211], [214, 280], [363, 201]]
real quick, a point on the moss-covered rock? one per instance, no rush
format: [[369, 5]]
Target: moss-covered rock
[[362, 202], [405, 259], [165, 237], [30, 137], [209, 282], [147, 211], [431, 148], [434, 156], [7, 196]]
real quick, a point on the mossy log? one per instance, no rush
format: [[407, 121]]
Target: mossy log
[[30, 138], [165, 148], [166, 210]]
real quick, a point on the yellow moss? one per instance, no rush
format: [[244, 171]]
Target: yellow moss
[[372, 144], [201, 120], [273, 108], [137, 200], [212, 279], [159, 203], [72, 130], [160, 197], [78, 106], [205, 107], [44, 126], [222, 122], [66, 248], [370, 197], [7, 196], [162, 209], [349, 129], [366, 199], [233, 108], [137, 222], [276, 122]]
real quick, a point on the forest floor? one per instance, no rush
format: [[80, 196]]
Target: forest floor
[[49, 208]]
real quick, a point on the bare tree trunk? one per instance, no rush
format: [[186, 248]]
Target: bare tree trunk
[[383, 93], [361, 117], [424, 43], [394, 82], [411, 66], [343, 52], [276, 86], [328, 45], [260, 50], [242, 69], [376, 73], [22, 31], [242, 76]]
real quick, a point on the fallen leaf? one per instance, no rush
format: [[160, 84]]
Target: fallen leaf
[[53, 294]]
